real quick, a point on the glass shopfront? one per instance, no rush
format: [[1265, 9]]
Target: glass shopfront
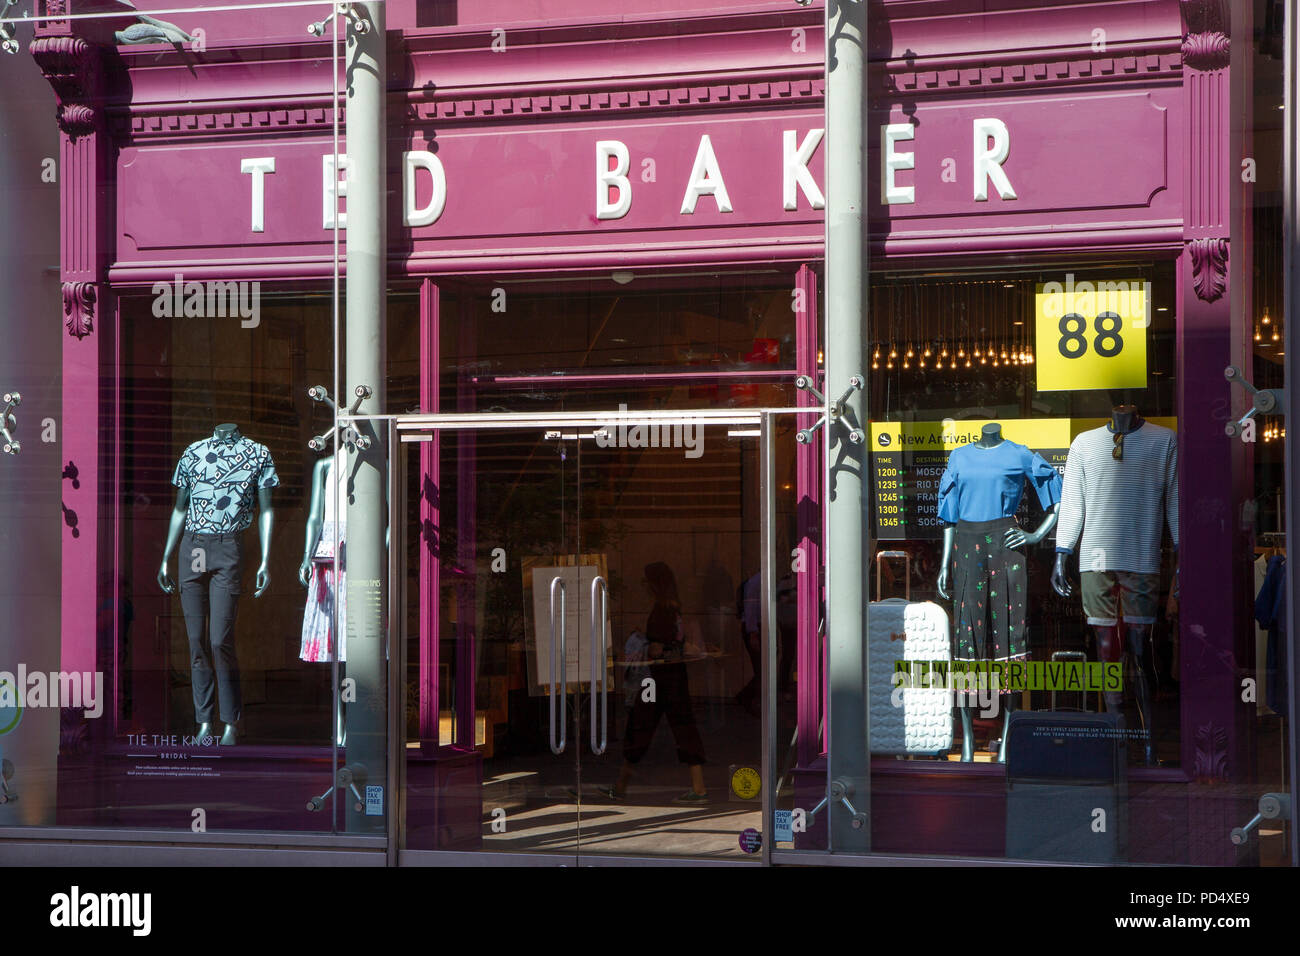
[[445, 467], [1077, 541]]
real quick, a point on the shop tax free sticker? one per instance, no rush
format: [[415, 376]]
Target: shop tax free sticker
[[1091, 335]]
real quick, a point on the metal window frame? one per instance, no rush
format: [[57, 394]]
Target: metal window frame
[[1291, 305]]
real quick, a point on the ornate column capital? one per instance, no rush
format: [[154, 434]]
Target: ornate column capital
[[72, 66], [79, 300], [1206, 45], [1209, 267]]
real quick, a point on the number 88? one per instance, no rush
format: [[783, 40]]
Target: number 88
[[1108, 342]]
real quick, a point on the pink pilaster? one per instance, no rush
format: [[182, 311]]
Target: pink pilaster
[[73, 67], [1215, 611]]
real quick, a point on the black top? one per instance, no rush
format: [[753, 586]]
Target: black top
[[664, 627]]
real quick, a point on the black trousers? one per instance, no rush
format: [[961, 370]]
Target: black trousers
[[672, 700], [210, 570]]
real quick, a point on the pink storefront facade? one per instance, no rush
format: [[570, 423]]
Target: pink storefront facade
[[596, 213]]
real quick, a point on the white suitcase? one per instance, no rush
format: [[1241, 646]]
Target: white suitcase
[[902, 630]]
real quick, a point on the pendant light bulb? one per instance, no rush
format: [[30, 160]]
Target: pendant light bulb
[[1266, 319]]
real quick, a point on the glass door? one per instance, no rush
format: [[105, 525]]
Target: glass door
[[578, 681], [668, 519], [493, 657]]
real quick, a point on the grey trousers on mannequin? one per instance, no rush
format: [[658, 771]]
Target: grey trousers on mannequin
[[210, 566]]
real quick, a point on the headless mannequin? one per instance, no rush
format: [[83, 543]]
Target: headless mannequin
[[990, 437], [320, 487], [1110, 646], [176, 527]]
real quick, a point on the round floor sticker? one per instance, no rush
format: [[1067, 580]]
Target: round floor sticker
[[751, 841], [746, 783], [11, 711]]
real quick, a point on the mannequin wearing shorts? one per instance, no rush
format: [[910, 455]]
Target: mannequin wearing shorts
[[1121, 488]]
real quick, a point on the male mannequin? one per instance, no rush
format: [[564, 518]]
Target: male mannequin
[[217, 479], [978, 497], [1121, 487]]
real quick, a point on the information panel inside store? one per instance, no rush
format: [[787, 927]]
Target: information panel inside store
[[908, 460]]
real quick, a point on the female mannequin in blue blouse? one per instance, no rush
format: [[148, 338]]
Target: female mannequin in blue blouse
[[994, 496]]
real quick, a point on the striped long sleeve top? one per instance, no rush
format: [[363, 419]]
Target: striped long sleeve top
[[1119, 508]]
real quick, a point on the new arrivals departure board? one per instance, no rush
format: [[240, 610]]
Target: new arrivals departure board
[[909, 458]]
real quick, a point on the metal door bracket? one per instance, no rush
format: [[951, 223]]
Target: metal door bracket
[[1269, 401]]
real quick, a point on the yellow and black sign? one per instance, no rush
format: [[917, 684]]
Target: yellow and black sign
[[1091, 335], [746, 783], [908, 460]]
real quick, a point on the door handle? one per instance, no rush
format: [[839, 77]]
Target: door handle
[[558, 748], [599, 625]]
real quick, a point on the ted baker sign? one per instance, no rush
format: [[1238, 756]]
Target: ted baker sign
[[658, 185], [613, 186]]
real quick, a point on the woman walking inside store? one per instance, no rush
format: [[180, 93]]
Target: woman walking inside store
[[672, 694]]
